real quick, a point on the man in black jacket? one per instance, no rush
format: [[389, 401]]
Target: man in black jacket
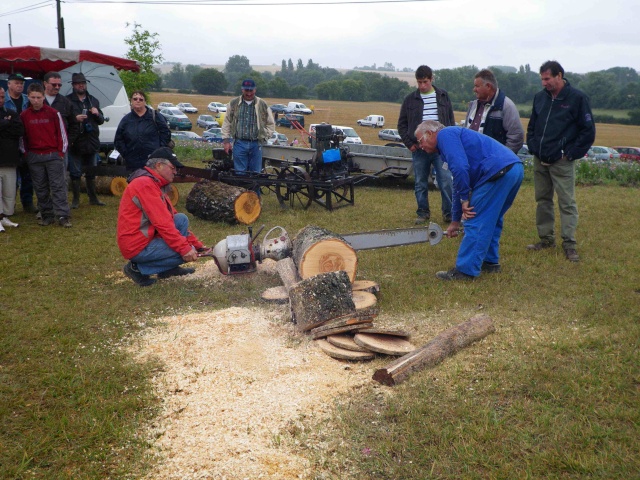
[[83, 151], [428, 102], [11, 129], [560, 130]]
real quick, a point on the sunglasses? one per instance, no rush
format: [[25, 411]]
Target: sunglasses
[[137, 99], [56, 85]]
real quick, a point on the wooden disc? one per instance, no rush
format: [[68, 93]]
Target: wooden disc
[[363, 300], [329, 255], [365, 286], [342, 353], [334, 331], [390, 331], [118, 184], [390, 345], [276, 295], [173, 194], [343, 340], [247, 207]]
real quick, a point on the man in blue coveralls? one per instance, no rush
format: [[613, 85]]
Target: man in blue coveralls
[[486, 179]]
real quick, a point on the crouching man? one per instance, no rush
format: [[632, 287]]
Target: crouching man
[[486, 179], [152, 235]]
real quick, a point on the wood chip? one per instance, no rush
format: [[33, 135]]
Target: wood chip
[[390, 345], [343, 354]]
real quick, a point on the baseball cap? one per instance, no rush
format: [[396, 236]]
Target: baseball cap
[[16, 76], [167, 154], [248, 84]]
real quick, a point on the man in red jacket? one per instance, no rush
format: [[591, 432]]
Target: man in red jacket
[[152, 235], [45, 143]]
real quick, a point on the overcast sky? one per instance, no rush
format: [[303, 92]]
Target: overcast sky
[[583, 35]]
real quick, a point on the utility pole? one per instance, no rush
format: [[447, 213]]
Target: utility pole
[[60, 23], [10, 41]]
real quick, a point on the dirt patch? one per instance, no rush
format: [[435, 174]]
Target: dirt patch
[[232, 381]]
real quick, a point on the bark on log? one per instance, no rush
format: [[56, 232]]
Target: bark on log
[[316, 250], [288, 273], [220, 202], [320, 298], [442, 346]]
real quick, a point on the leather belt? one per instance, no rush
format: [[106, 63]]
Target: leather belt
[[501, 173]]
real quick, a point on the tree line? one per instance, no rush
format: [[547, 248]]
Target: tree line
[[616, 88]]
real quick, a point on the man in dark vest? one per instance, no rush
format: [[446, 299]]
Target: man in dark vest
[[86, 109]]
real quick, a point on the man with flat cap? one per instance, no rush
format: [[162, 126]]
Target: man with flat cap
[[248, 123], [151, 234], [86, 144]]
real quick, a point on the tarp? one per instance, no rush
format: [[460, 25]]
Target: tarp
[[36, 61]]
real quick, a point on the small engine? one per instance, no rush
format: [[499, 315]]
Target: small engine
[[238, 254]]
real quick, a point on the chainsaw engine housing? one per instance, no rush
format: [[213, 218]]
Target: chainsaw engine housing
[[235, 254]]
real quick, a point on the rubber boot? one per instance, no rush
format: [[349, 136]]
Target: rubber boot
[[75, 189], [91, 191]]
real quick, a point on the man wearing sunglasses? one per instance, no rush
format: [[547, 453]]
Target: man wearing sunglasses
[[52, 84]]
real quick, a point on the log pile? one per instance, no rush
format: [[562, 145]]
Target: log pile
[[220, 202]]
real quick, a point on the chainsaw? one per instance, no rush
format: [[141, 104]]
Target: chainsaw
[[241, 253]]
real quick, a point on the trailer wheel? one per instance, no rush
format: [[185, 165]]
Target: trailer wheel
[[295, 188]]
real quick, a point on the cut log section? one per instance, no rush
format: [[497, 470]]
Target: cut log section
[[276, 295], [442, 346], [390, 331], [118, 185], [362, 326], [343, 354], [288, 273], [320, 298], [363, 300], [220, 202], [365, 286], [346, 341], [316, 250], [387, 344]]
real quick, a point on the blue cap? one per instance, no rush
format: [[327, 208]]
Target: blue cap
[[248, 84]]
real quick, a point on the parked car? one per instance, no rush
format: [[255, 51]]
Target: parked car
[[297, 107], [187, 108], [162, 105], [187, 136], [217, 107], [390, 134], [176, 119], [375, 121], [285, 120], [524, 153], [280, 108], [629, 154], [603, 153], [207, 121], [277, 139], [213, 134], [346, 134]]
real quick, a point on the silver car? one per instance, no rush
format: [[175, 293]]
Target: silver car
[[390, 134], [603, 154]]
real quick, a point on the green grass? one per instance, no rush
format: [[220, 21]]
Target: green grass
[[553, 393]]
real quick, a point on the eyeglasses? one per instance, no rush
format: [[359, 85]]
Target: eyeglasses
[[137, 99], [171, 166], [56, 85]]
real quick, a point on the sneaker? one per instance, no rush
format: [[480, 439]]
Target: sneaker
[[176, 272], [571, 254], [46, 221], [131, 271], [1, 228], [65, 222], [541, 246], [454, 274], [489, 267], [420, 220], [5, 222]]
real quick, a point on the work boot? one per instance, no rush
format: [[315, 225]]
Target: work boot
[[541, 246], [91, 191], [489, 267], [75, 189], [571, 254], [420, 219], [46, 220], [139, 278], [454, 274], [176, 272], [64, 222]]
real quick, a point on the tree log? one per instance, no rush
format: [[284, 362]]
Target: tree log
[[366, 286], [220, 202], [288, 273], [320, 298], [442, 346], [316, 250]]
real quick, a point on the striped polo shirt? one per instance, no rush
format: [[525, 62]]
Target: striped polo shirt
[[430, 108]]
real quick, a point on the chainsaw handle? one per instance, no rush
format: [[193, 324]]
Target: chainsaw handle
[[266, 235]]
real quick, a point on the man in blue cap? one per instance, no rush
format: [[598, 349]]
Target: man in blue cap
[[248, 124]]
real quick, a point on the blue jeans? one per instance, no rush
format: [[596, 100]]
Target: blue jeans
[[77, 161], [247, 156], [482, 233], [158, 256], [422, 164]]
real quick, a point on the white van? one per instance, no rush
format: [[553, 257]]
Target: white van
[[375, 121], [297, 107]]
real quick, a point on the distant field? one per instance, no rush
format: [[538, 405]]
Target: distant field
[[348, 113]]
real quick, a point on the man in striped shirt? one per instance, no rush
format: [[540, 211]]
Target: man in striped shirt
[[428, 102]]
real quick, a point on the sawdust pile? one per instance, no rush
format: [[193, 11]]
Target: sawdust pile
[[232, 381]]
